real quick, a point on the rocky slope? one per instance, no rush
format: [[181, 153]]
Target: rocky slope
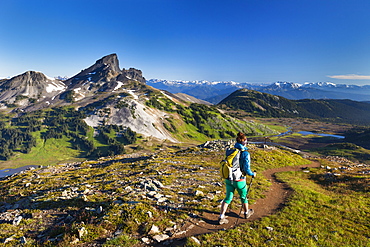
[[104, 76], [108, 95], [30, 87]]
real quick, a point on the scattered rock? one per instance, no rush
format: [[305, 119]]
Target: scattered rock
[[23, 240], [75, 241], [195, 240], [269, 228], [99, 210], [82, 232], [146, 240], [216, 144], [7, 240], [150, 214], [199, 193], [154, 230], [161, 237], [17, 220]]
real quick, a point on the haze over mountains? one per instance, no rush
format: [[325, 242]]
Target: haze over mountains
[[214, 92]]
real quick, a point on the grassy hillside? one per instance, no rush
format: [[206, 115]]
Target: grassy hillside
[[266, 105], [57, 135], [120, 201], [318, 214]]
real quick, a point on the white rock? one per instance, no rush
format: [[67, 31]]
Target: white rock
[[195, 240], [154, 229], [7, 240], [179, 233], [199, 193], [150, 214], [161, 237], [210, 196], [17, 220], [74, 188], [99, 210], [75, 241], [82, 232], [157, 196], [269, 228], [162, 199], [146, 240]]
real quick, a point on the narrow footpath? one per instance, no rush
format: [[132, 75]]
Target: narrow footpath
[[275, 199]]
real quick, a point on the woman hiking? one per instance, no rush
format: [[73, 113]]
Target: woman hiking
[[238, 182]]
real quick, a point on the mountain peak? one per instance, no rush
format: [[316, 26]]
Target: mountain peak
[[110, 60], [32, 76]]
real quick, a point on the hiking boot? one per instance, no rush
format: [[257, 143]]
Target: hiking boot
[[222, 221], [248, 214]]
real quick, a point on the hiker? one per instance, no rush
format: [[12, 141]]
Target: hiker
[[239, 183]]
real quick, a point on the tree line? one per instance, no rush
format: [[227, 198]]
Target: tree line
[[58, 123]]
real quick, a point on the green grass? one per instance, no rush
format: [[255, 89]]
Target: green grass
[[315, 216], [348, 150], [51, 152], [318, 213]]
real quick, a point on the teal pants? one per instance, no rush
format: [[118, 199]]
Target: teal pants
[[240, 187]]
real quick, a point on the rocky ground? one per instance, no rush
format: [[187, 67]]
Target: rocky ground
[[156, 199]]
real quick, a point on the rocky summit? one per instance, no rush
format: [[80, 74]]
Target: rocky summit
[[103, 76], [28, 88]]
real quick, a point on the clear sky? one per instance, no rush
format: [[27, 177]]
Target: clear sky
[[256, 41]]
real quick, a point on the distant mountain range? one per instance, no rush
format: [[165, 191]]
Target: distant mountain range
[[214, 92], [105, 107], [257, 104]]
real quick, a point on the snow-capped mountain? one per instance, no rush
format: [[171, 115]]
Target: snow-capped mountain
[[284, 85], [211, 91], [214, 92]]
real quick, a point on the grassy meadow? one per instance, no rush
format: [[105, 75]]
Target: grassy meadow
[[316, 215], [59, 202]]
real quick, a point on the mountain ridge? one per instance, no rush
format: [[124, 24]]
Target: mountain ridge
[[258, 104], [103, 108], [218, 90]]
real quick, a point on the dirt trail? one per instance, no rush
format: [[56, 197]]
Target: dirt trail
[[275, 199]]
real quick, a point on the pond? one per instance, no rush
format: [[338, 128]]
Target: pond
[[8, 172], [320, 134]]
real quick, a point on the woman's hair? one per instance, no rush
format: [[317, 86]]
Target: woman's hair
[[241, 137]]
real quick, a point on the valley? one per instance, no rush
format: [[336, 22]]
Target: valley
[[117, 162]]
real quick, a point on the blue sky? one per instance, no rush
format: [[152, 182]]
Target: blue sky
[[256, 41]]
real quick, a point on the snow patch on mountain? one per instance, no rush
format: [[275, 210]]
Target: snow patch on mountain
[[55, 86], [119, 84], [285, 85]]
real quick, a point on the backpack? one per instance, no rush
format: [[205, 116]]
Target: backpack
[[229, 167]]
